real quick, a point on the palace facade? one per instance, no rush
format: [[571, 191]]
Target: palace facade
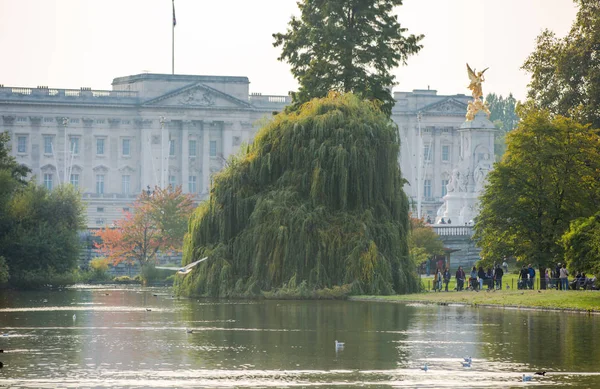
[[157, 129]]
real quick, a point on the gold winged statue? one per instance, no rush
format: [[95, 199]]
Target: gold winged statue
[[476, 88]]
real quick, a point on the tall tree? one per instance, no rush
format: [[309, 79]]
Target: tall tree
[[346, 46], [565, 75], [582, 245], [549, 176], [42, 238], [316, 200], [158, 223]]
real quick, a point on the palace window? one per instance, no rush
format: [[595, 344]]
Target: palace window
[[213, 148], [100, 146], [427, 153], [100, 209], [75, 180], [192, 184], [445, 153], [99, 222], [21, 119], [444, 187], [21, 144], [427, 189], [192, 148], [48, 120], [48, 181], [126, 147], [171, 148], [75, 145], [172, 182], [48, 144], [100, 184], [237, 141], [126, 184]]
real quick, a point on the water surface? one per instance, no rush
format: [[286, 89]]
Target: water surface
[[106, 337]]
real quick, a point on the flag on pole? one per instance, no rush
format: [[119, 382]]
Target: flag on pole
[[174, 20]]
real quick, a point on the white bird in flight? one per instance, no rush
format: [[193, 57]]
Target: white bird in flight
[[183, 270]]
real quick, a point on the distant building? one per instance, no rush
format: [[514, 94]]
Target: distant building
[[115, 144]]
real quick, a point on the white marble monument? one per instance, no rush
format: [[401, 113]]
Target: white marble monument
[[469, 176]]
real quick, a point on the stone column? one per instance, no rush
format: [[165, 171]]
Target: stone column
[[205, 157], [185, 155], [227, 140]]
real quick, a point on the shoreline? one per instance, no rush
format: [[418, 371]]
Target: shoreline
[[400, 300]]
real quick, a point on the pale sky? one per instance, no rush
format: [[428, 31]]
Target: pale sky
[[75, 43]]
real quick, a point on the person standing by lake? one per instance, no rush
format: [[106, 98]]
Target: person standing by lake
[[460, 279], [498, 274], [531, 280], [446, 278], [473, 278], [523, 276], [564, 278], [481, 276]]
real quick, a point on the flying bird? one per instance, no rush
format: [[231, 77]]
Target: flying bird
[[183, 270]]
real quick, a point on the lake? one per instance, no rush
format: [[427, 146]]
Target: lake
[[133, 337]]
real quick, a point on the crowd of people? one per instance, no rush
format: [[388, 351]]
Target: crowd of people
[[478, 278]]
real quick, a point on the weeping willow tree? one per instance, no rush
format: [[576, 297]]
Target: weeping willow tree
[[315, 202]]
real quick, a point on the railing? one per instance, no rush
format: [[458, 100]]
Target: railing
[[53, 92], [269, 99], [450, 230]]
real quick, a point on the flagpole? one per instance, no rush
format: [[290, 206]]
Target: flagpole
[[173, 41]]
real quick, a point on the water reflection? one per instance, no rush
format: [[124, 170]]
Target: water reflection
[[134, 338]]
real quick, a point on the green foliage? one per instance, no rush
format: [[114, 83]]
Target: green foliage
[[8, 163], [99, 269], [503, 111], [504, 116], [4, 274], [346, 46], [317, 197], [564, 71], [423, 242], [582, 245], [126, 279], [42, 232], [549, 176], [39, 278]]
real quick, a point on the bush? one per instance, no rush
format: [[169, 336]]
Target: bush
[[3, 271], [99, 269], [125, 280]]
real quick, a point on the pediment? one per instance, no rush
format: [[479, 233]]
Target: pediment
[[448, 106], [197, 96], [127, 169], [48, 168], [100, 169]]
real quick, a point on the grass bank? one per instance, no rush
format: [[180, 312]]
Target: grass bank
[[543, 299]]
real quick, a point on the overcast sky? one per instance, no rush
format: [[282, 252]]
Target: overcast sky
[[74, 43]]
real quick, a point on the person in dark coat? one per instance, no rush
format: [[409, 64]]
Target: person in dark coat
[[460, 279]]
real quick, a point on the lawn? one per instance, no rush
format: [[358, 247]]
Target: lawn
[[547, 299]]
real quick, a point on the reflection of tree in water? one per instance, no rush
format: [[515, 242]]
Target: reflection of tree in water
[[285, 335], [542, 340]]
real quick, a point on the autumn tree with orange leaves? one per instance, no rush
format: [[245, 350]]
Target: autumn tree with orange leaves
[[158, 223]]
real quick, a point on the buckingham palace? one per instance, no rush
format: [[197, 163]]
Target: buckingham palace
[[159, 129]]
